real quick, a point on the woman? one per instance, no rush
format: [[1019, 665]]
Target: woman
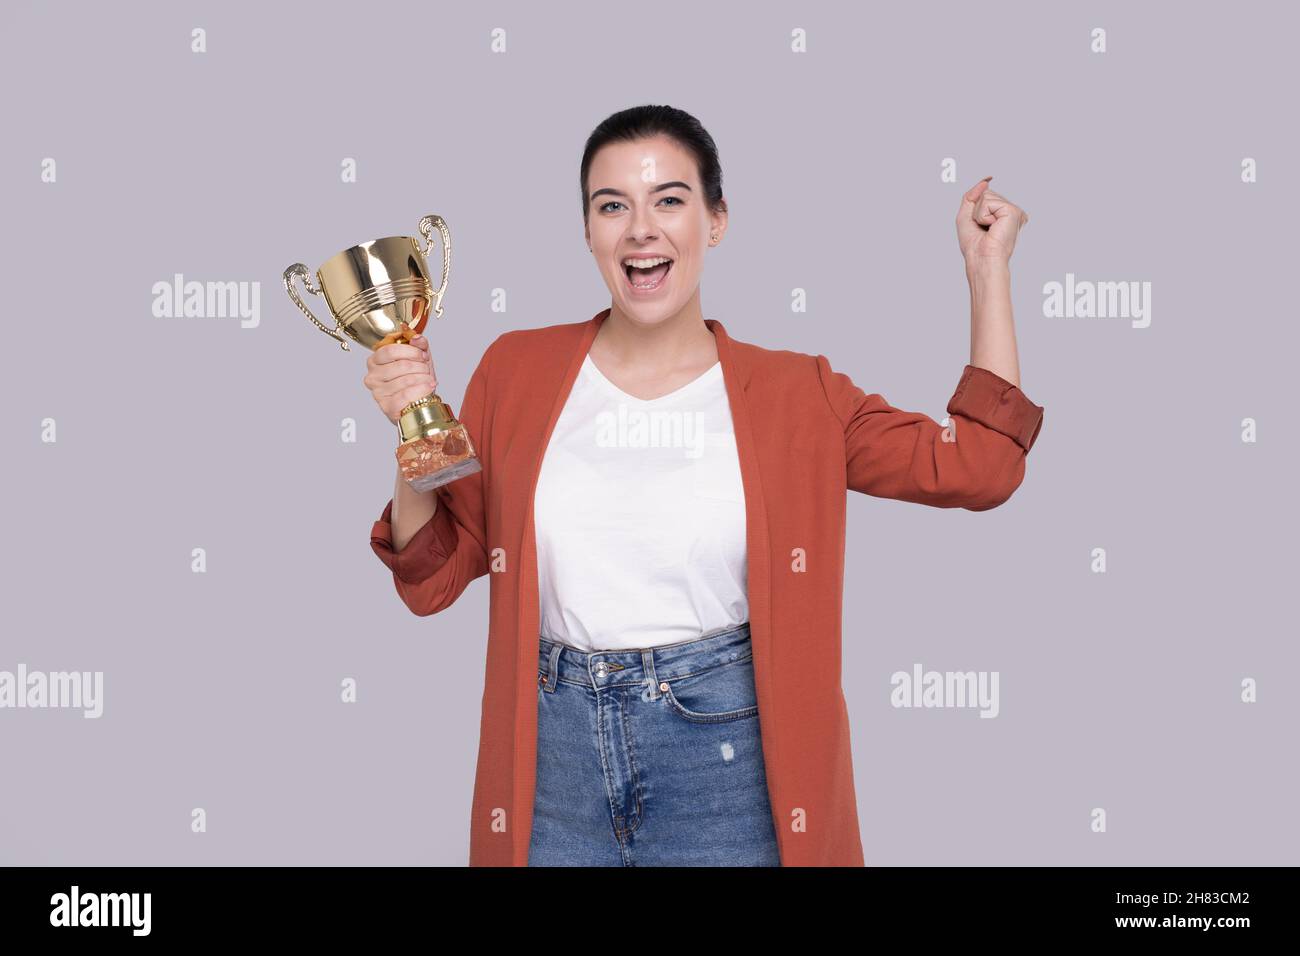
[[662, 510]]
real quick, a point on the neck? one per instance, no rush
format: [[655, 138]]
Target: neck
[[681, 339]]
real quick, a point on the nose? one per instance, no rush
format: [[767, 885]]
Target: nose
[[643, 226]]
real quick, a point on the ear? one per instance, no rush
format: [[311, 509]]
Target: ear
[[718, 224]]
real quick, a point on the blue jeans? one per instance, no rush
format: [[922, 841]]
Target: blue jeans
[[651, 757]]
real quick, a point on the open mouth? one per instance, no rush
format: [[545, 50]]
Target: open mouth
[[647, 274]]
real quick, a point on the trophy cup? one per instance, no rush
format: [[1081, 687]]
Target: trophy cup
[[379, 293]]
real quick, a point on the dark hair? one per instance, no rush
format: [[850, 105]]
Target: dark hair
[[640, 122]]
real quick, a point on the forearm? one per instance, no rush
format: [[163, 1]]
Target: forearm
[[992, 328], [411, 511]]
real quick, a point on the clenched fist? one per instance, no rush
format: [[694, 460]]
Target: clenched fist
[[398, 374], [987, 226]]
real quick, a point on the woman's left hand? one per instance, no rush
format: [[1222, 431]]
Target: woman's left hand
[[987, 226]]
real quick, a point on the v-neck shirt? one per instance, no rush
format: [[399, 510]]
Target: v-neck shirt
[[640, 516]]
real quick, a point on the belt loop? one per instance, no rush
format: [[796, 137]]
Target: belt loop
[[651, 680], [553, 668]]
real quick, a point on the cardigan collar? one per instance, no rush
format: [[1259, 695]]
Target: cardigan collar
[[735, 370]]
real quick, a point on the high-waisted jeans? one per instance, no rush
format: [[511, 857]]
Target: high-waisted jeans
[[651, 757]]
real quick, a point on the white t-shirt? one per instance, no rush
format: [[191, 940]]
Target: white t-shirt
[[640, 517]]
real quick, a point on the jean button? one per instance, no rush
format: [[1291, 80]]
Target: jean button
[[602, 669]]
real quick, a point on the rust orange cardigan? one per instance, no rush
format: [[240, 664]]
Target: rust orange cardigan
[[795, 486]]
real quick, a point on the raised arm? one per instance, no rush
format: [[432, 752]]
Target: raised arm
[[450, 550], [975, 462], [979, 459]]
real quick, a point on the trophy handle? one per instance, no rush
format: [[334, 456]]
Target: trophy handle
[[426, 230], [300, 270]]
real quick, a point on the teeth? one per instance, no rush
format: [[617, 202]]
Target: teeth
[[645, 263]]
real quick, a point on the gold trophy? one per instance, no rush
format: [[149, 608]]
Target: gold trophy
[[379, 293]]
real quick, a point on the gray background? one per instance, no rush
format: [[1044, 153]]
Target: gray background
[[222, 689]]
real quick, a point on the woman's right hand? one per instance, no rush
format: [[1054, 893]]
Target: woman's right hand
[[398, 374]]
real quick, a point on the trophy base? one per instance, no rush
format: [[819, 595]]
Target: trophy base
[[434, 459]]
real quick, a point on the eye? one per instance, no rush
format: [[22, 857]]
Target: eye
[[604, 207]]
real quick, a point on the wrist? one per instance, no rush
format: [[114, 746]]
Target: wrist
[[988, 271]]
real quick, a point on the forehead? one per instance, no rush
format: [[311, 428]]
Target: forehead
[[643, 161]]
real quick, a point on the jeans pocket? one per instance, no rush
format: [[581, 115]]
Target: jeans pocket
[[719, 694]]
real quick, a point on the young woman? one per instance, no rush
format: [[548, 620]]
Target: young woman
[[661, 508]]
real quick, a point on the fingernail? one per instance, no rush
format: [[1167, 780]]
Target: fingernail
[[986, 179]]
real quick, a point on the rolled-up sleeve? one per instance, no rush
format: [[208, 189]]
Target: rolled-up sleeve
[[428, 549], [976, 462], [450, 549]]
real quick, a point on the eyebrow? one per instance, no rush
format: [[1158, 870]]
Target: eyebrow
[[614, 192]]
